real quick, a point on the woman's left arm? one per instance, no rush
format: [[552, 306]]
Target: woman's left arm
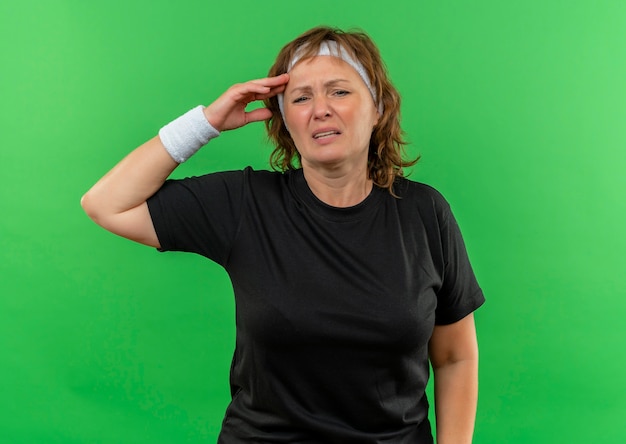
[[453, 353]]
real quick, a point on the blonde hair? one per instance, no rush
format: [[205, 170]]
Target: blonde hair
[[385, 157]]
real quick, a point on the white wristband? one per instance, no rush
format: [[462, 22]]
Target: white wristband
[[187, 134]]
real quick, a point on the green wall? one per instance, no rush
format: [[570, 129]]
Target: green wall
[[517, 107]]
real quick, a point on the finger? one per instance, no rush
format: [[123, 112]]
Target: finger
[[281, 79], [251, 88], [274, 91], [258, 115], [259, 88]]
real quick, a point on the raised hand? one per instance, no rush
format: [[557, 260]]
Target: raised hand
[[229, 110]]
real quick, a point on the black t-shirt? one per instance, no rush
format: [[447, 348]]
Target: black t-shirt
[[334, 306]]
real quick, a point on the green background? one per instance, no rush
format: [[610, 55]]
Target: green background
[[517, 107]]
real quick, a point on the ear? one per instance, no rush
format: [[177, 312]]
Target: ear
[[376, 119]]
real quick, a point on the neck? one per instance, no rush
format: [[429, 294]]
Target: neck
[[337, 189]]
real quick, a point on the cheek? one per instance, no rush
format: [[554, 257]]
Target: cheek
[[295, 119], [366, 124]]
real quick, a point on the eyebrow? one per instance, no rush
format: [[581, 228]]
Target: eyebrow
[[329, 83]]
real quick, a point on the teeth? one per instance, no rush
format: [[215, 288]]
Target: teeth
[[327, 133]]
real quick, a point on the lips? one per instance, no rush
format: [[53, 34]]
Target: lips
[[325, 132]]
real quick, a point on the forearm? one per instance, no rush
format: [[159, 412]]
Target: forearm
[[131, 182], [117, 202], [456, 395], [142, 172]]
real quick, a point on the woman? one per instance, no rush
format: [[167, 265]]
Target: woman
[[348, 278]]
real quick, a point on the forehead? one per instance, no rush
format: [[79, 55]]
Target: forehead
[[321, 68]]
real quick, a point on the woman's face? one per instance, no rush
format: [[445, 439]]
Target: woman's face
[[330, 114]]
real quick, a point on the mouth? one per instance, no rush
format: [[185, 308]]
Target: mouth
[[325, 133]]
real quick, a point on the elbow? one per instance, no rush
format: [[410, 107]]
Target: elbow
[[90, 207], [467, 355], [468, 362], [84, 202]]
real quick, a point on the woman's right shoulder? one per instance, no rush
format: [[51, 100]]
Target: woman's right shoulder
[[235, 177], [250, 181]]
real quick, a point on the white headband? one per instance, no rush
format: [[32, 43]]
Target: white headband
[[330, 48]]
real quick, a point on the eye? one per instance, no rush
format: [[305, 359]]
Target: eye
[[300, 99], [341, 92]]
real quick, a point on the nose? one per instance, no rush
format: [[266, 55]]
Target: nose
[[321, 107]]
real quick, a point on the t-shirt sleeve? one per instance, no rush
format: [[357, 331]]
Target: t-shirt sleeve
[[460, 293], [199, 214]]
